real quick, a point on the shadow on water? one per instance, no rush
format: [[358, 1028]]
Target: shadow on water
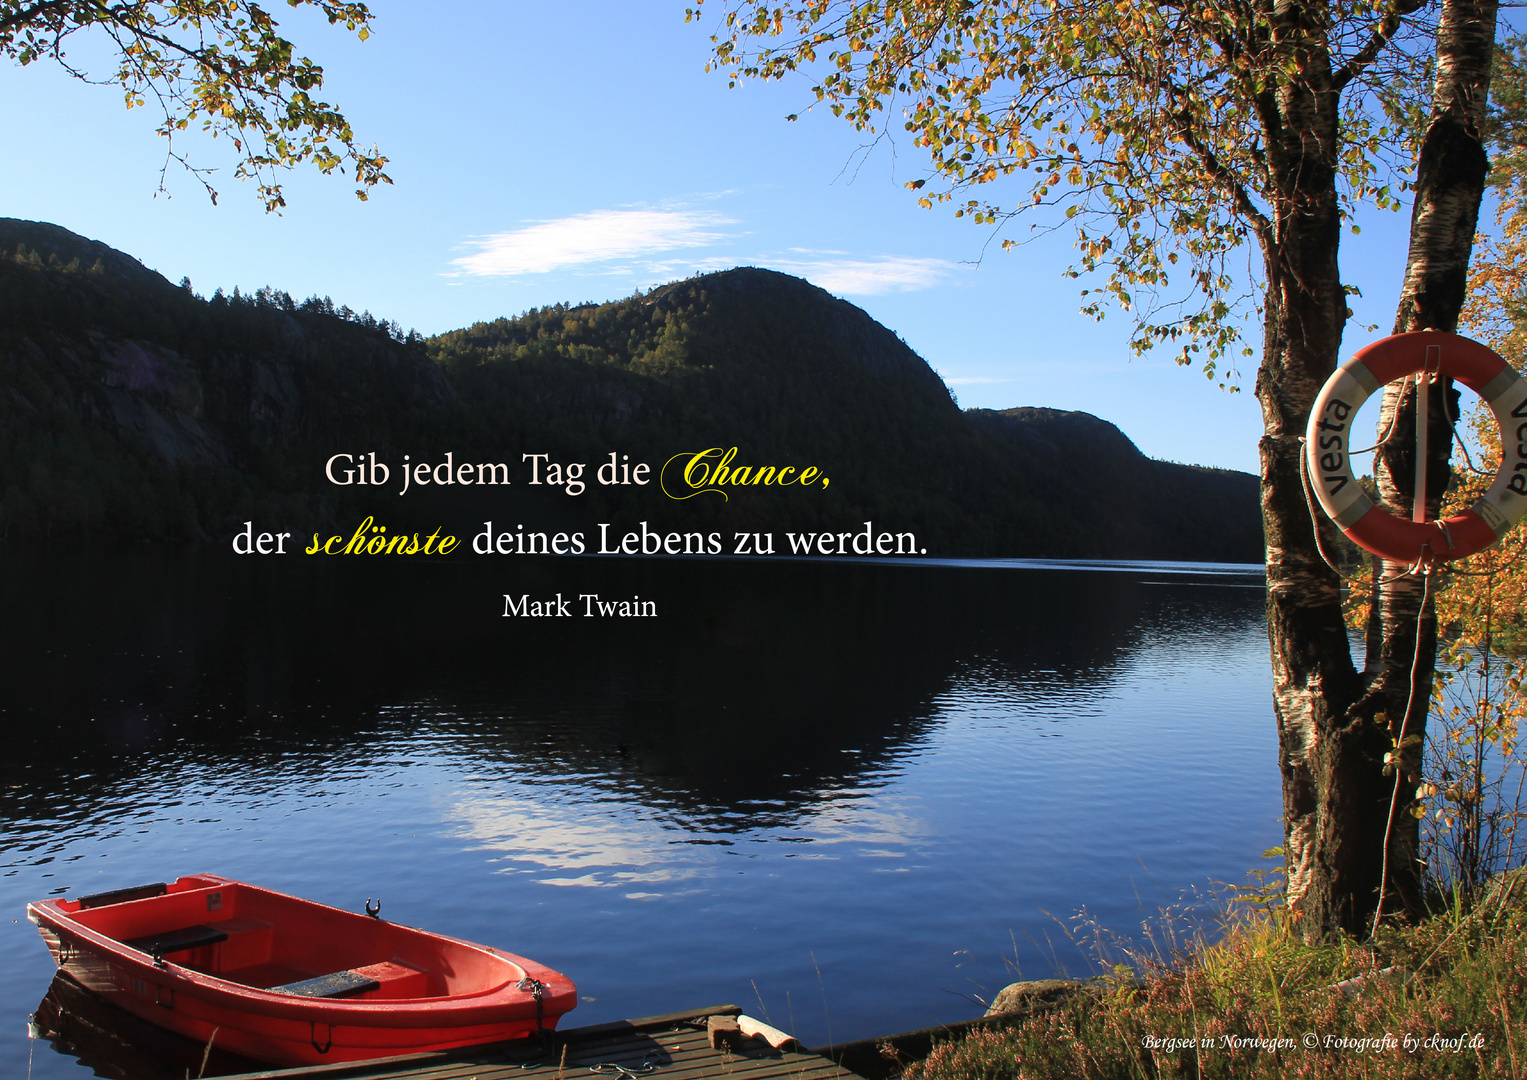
[[749, 685], [116, 1045]]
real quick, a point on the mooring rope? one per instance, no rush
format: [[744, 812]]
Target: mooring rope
[[1398, 760]]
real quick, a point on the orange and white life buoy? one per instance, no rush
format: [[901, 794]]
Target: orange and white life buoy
[[1327, 446]]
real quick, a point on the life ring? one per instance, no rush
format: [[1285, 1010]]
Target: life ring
[[1327, 449]]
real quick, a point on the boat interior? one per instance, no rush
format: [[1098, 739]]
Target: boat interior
[[256, 938]]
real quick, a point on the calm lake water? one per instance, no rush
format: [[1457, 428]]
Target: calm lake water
[[855, 797]]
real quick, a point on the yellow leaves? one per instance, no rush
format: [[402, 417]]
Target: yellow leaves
[[990, 80], [223, 62]]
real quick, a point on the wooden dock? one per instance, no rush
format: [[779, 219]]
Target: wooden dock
[[674, 1046]]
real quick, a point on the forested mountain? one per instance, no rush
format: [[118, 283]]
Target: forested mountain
[[131, 407]]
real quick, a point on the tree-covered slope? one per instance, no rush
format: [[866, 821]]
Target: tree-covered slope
[[131, 407], [775, 365]]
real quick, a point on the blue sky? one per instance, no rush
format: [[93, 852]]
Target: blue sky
[[579, 151]]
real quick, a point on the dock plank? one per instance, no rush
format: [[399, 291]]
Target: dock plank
[[672, 1046]]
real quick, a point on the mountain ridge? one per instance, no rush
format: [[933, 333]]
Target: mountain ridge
[[131, 407]]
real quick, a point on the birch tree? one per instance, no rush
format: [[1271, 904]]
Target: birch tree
[[1208, 155], [220, 66]]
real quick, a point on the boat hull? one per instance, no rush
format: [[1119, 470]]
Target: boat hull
[[408, 991]]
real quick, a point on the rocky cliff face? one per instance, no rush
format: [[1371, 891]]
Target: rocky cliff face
[[148, 397], [117, 387]]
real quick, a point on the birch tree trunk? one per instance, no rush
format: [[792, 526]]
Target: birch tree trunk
[[1342, 813], [1402, 634], [1314, 679]]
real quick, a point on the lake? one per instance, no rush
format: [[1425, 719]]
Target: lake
[[854, 797]]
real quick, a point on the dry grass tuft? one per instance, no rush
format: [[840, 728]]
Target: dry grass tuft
[[1447, 998]]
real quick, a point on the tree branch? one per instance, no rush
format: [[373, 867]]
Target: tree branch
[[1381, 37], [1228, 182], [23, 16]]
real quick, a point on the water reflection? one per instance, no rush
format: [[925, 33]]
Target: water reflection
[[750, 686], [114, 1044], [802, 778]]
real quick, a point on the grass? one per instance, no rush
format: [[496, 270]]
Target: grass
[[1446, 998]]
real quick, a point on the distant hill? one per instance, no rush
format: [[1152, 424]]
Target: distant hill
[[131, 407], [1182, 507]]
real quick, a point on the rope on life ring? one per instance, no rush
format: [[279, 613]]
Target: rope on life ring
[[1327, 446]]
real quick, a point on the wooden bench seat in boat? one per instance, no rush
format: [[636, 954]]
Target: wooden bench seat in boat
[[337, 984], [389, 979], [228, 943], [121, 896], [173, 941]]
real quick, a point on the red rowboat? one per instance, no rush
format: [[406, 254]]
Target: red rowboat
[[289, 981]]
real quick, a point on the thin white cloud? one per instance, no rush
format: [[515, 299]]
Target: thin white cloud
[[602, 236], [869, 277], [644, 244]]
